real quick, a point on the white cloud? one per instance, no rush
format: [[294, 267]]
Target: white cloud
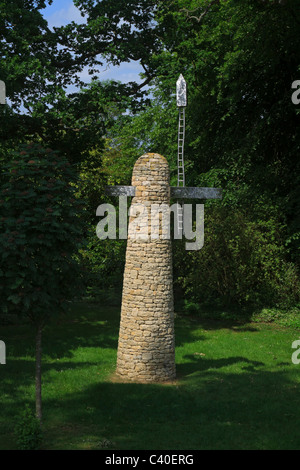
[[64, 16], [126, 72]]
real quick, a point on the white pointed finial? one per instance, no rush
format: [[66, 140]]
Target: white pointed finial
[[181, 92]]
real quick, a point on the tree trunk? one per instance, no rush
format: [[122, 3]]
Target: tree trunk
[[38, 373]]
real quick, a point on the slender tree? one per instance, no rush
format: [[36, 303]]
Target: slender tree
[[40, 236]]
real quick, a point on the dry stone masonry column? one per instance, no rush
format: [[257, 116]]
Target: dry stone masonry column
[[146, 350]]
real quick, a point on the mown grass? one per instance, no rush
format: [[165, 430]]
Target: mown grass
[[236, 387]]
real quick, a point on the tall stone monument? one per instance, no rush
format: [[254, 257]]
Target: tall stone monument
[[146, 350]]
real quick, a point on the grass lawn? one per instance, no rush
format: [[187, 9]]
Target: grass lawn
[[237, 387]]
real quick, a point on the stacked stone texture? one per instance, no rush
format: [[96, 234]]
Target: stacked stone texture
[[146, 350]]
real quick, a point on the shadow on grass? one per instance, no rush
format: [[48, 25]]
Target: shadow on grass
[[197, 364], [215, 315], [217, 324], [92, 326], [60, 339], [224, 403], [208, 407], [250, 410]]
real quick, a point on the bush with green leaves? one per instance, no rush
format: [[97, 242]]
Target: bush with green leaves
[[28, 430], [242, 262], [39, 233], [103, 262]]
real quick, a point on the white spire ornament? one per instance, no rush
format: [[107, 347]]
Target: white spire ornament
[[181, 92]]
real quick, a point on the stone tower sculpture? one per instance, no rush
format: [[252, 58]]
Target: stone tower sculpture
[[146, 350]]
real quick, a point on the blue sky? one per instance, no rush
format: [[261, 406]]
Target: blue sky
[[62, 12]]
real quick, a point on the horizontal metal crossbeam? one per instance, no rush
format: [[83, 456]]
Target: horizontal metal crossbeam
[[175, 192], [196, 193], [120, 190]]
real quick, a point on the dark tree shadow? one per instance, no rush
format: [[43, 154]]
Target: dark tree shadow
[[252, 410], [207, 407], [199, 364]]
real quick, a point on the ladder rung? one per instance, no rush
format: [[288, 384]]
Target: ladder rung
[[180, 162]]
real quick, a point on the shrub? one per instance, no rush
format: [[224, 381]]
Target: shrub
[[28, 430], [242, 262], [39, 233], [103, 262]]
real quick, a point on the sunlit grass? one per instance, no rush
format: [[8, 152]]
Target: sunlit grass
[[236, 387]]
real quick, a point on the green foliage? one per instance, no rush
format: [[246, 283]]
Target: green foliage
[[190, 308], [103, 263], [239, 60], [242, 262], [120, 31], [40, 232], [28, 430], [40, 64], [90, 186], [24, 31], [135, 134], [289, 317]]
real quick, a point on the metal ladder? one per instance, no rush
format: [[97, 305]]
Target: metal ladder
[[180, 166]]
